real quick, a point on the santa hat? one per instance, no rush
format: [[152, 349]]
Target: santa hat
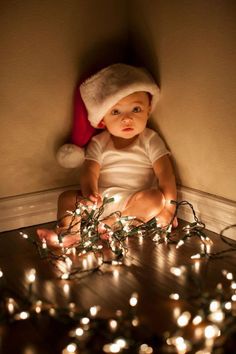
[[93, 99], [103, 90]]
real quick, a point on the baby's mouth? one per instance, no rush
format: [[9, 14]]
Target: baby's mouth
[[127, 129]]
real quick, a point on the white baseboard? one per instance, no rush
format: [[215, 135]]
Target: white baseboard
[[217, 213], [29, 209], [38, 208]]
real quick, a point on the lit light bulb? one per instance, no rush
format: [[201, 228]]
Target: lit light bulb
[[180, 243], [94, 310], [233, 285], [113, 325], [217, 316], [71, 348], [22, 315], [121, 342], [211, 331], [233, 297], [174, 296], [135, 321], [65, 276], [196, 256], [214, 305], [66, 289], [77, 211], [133, 299], [31, 275], [228, 305], [38, 306], [227, 274], [111, 348], [181, 345], [85, 320], [72, 306], [11, 305], [1, 273], [79, 331], [145, 349], [115, 262], [197, 320], [177, 271], [183, 319], [24, 235], [206, 247], [52, 311], [44, 244]]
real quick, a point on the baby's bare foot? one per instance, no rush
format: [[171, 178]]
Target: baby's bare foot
[[52, 240]]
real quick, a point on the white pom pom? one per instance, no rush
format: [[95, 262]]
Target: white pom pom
[[70, 156]]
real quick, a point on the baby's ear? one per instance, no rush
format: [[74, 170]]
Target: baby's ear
[[102, 124]]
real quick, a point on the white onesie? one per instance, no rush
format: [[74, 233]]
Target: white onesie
[[125, 171]]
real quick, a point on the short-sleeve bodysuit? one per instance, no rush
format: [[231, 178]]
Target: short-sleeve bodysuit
[[125, 171]]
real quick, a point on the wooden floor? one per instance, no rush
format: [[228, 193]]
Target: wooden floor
[[147, 273]]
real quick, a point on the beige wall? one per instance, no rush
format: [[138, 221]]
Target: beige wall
[[45, 46], [188, 45]]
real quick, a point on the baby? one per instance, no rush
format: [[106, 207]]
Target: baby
[[127, 160]]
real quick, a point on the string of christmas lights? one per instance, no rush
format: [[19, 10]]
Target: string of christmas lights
[[212, 320], [207, 328], [99, 243], [211, 325], [88, 333]]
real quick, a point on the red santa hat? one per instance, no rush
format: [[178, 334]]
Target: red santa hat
[[93, 99]]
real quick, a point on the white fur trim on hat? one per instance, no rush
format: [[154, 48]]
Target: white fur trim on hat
[[70, 156], [103, 90]]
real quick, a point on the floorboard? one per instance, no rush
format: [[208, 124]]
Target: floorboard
[[147, 273]]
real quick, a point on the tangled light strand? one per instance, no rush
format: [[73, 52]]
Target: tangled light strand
[[211, 325], [88, 332], [213, 317], [99, 243]]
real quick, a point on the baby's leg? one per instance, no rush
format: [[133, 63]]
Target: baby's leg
[[148, 204], [66, 202], [145, 204]]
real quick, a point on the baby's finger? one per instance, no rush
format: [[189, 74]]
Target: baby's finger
[[95, 198]]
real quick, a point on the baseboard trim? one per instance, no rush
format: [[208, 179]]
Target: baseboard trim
[[40, 207], [29, 209], [217, 213]]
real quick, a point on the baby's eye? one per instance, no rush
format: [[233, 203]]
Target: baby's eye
[[114, 112], [136, 109]]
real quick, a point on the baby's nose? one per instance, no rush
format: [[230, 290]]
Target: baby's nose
[[126, 118]]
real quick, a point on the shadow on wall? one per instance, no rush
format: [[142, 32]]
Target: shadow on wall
[[104, 54], [120, 50], [96, 58], [145, 53]]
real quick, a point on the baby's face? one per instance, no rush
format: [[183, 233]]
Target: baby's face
[[128, 117]]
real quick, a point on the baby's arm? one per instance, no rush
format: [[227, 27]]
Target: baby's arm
[[165, 175], [89, 180]]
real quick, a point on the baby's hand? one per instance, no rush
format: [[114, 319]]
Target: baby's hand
[[95, 198], [91, 196]]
